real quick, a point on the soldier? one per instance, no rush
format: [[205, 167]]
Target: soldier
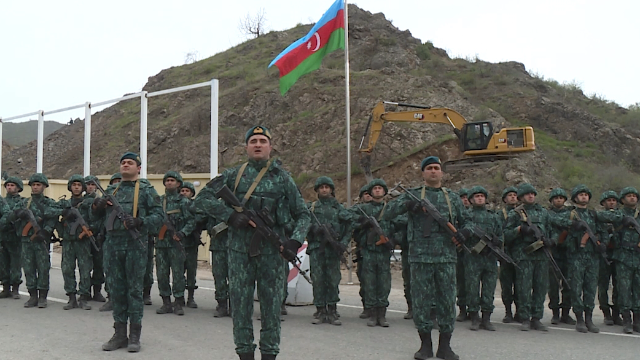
[[35, 238], [607, 273], [170, 253], [364, 197], [97, 274], [432, 255], [463, 314], [265, 186], [125, 256], [481, 268], [191, 244], [323, 256], [464, 196], [115, 178], [11, 246], [557, 198], [108, 306], [76, 245], [219, 265], [400, 237], [508, 271], [532, 277]]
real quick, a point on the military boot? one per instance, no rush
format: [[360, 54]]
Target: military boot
[[555, 319], [475, 321], [283, 308], [322, 315], [627, 327], [526, 325], [486, 322], [108, 306], [409, 314], [537, 325], [268, 357], [119, 338], [566, 317], [636, 321], [222, 309], [177, 306], [382, 317], [83, 303], [166, 307], [42, 298], [508, 315], [364, 314], [462, 315], [72, 303], [615, 315], [14, 291], [373, 317], [318, 311], [6, 291], [97, 294], [247, 356], [134, 337], [33, 298], [146, 296], [332, 315], [191, 302], [580, 324], [444, 348], [588, 320], [426, 347], [608, 320]]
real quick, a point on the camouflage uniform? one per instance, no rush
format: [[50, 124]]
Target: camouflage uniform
[[358, 260], [219, 248], [460, 276], [400, 237], [10, 244], [607, 274], [97, 256], [191, 245], [507, 272]]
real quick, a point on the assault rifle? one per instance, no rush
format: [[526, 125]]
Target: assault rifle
[[589, 235], [329, 236], [263, 224], [431, 211], [86, 230], [117, 212], [33, 223], [380, 237], [168, 226], [486, 242]]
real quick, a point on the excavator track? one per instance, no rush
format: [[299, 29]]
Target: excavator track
[[476, 162]]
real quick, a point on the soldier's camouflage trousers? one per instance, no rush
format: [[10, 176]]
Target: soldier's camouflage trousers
[[460, 280], [11, 262], [606, 275], [433, 284], [376, 272], [532, 282], [80, 252], [125, 275], [508, 284], [244, 272], [482, 276], [220, 271], [325, 274], [191, 266], [554, 287], [170, 266], [97, 273], [406, 275], [359, 275], [148, 272], [36, 265], [628, 287], [285, 270], [583, 278]]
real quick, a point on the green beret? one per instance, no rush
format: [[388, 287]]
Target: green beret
[[510, 189], [557, 192], [39, 177], [430, 160], [76, 178], [581, 188], [15, 180], [478, 190], [257, 130], [377, 182], [172, 174], [526, 188], [132, 156], [608, 195], [324, 180]]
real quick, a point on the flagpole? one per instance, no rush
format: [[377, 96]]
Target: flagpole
[[348, 119]]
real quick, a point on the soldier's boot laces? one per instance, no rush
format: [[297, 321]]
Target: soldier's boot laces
[[283, 309], [222, 309], [409, 314], [108, 306], [267, 357], [426, 347], [119, 338], [6, 291], [588, 320], [146, 296], [508, 316], [42, 298], [72, 303], [608, 320], [486, 322], [14, 291], [537, 325], [166, 307], [555, 319], [364, 314], [475, 321], [444, 348], [191, 302], [581, 326], [526, 325], [84, 302], [134, 337], [322, 314], [566, 317], [382, 317], [434, 319], [462, 315], [373, 317], [615, 315], [333, 315], [177, 306], [636, 322], [247, 356], [97, 294], [627, 327]]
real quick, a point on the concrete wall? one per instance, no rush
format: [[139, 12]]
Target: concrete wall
[[58, 188]]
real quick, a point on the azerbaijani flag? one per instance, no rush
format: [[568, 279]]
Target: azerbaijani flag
[[306, 54]]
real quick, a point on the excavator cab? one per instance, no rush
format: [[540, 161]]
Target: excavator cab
[[476, 135]]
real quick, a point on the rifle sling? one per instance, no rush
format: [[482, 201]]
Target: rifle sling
[[136, 195], [256, 181]]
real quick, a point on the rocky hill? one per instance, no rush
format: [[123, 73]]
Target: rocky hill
[[21, 133], [580, 139]]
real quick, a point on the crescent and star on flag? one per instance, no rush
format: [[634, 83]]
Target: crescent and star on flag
[[317, 46]]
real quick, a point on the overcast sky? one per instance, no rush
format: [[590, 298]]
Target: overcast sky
[[56, 54]]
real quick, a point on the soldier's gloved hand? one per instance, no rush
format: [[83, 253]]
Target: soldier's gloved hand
[[413, 206], [363, 222], [238, 220], [389, 245], [578, 225], [179, 236], [100, 203], [525, 229], [314, 229], [547, 242], [131, 223], [601, 248], [69, 215], [42, 235], [496, 242], [290, 250], [462, 235], [21, 213], [627, 221]]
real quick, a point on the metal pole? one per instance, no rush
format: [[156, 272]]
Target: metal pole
[[348, 119], [143, 134], [87, 139], [213, 166], [40, 141]]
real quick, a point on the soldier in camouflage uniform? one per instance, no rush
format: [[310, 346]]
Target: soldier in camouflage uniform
[[75, 249], [219, 247], [607, 273], [532, 277], [169, 259], [365, 197], [97, 274], [35, 245], [432, 255], [191, 244], [460, 274], [481, 268], [276, 192], [10, 244], [125, 256], [400, 237], [324, 261], [557, 198], [507, 272], [108, 306]]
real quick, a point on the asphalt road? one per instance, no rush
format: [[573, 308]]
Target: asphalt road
[[53, 333]]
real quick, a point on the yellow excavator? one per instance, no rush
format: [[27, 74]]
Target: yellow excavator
[[478, 142]]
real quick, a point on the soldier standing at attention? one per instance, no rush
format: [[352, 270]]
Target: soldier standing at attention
[[11, 246], [364, 197], [191, 244], [97, 274], [507, 272], [264, 186], [607, 273], [461, 279]]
